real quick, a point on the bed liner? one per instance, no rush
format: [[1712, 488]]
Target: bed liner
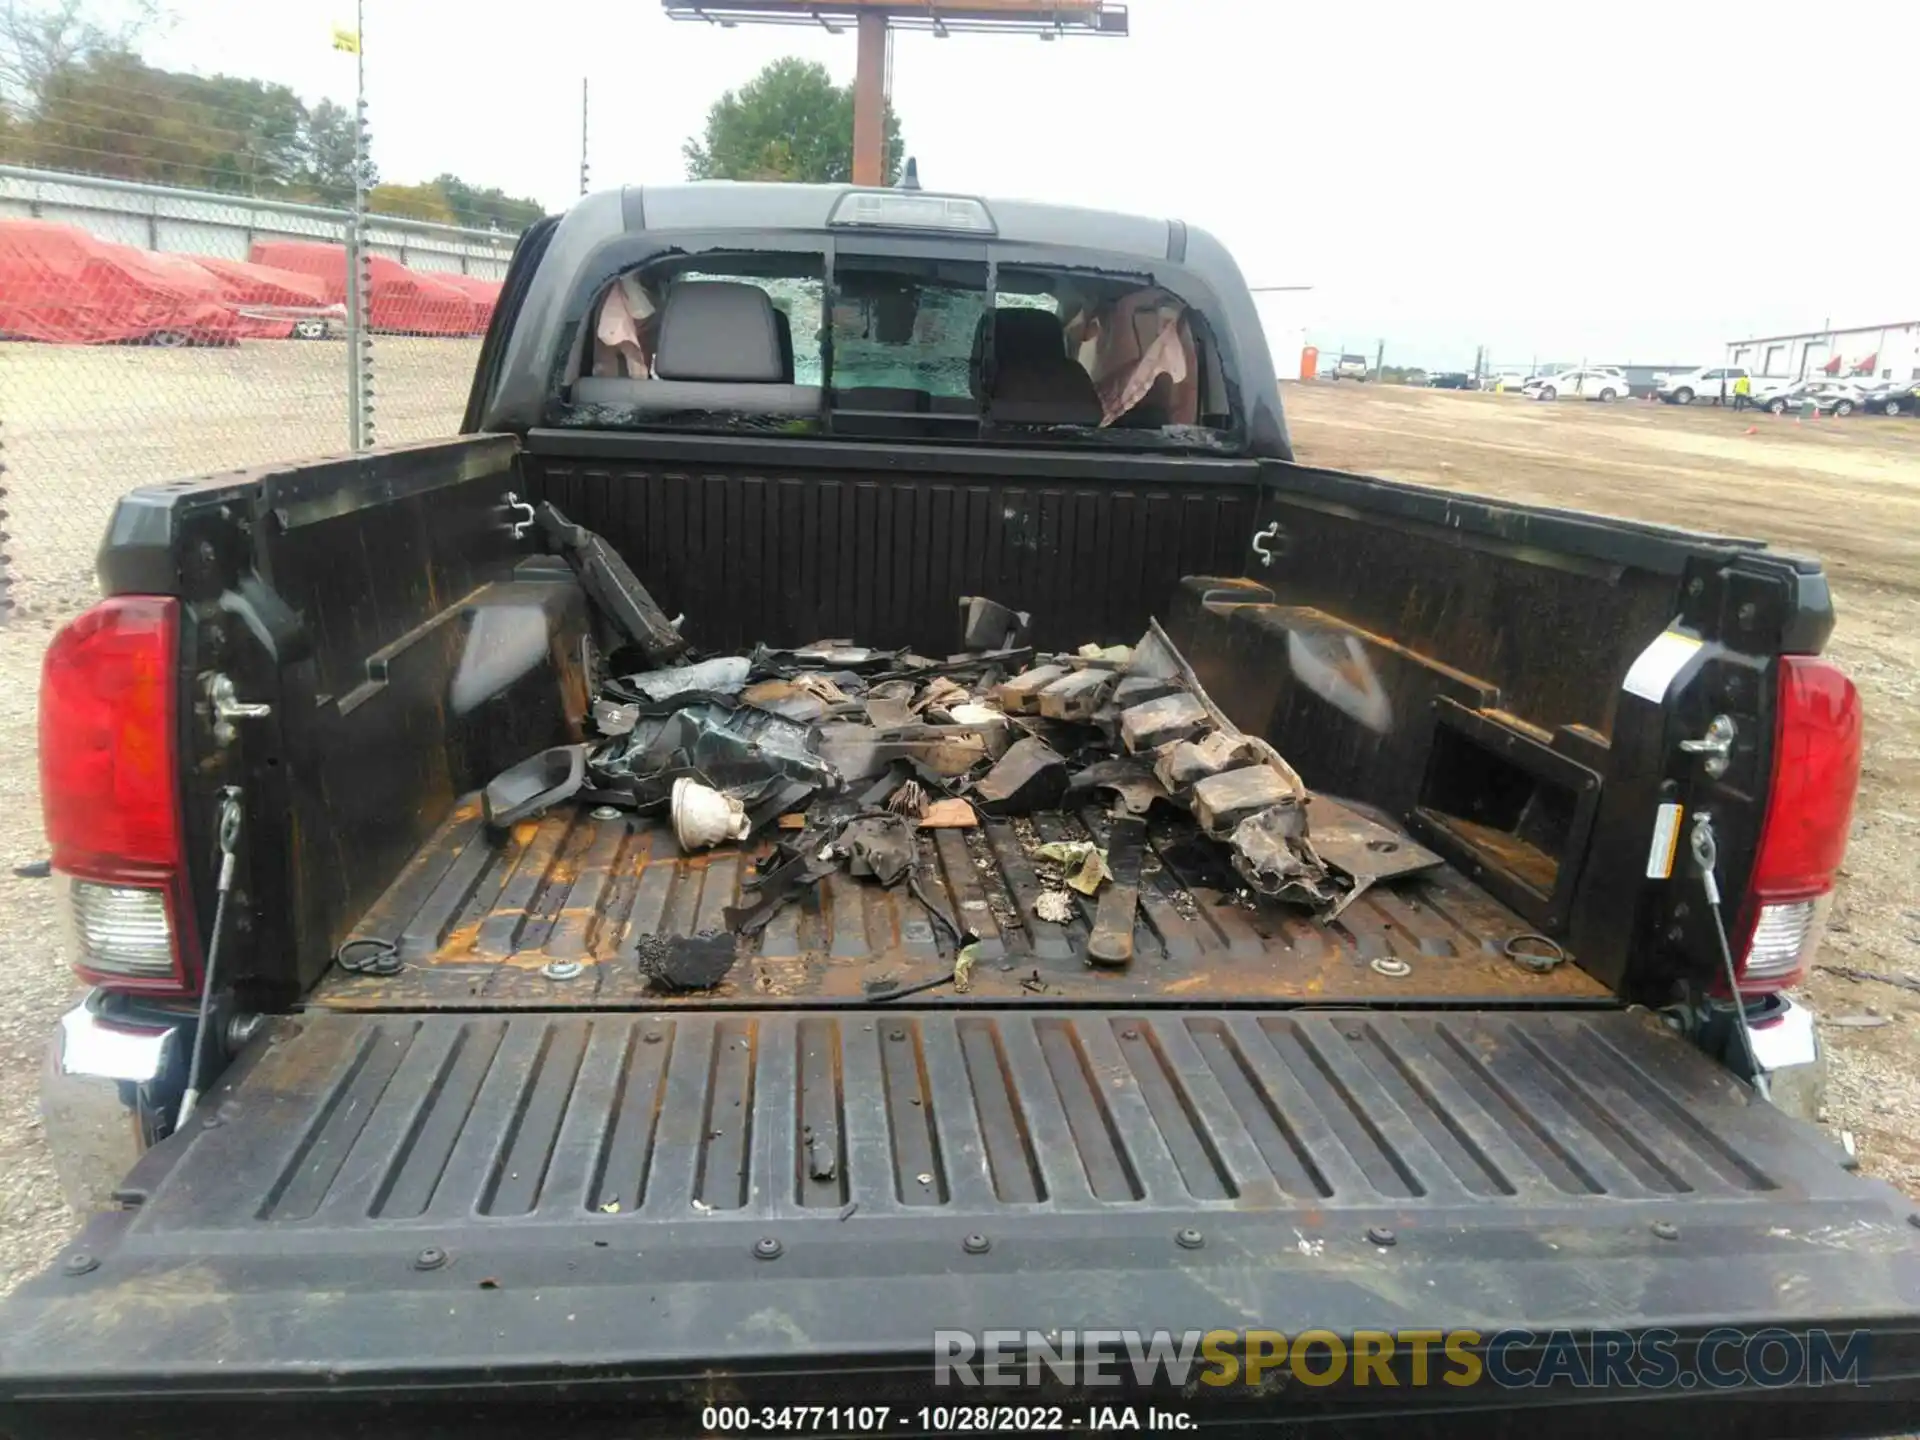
[[479, 918]]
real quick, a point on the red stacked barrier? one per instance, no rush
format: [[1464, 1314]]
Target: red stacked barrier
[[251, 287], [486, 292], [62, 286], [400, 301]]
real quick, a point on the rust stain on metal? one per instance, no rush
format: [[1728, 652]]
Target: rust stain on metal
[[482, 917]]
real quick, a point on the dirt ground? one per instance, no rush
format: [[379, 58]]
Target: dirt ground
[[78, 427], [1847, 491]]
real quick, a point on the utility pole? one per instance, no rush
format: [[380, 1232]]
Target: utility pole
[[583, 134], [1380, 361], [870, 99]]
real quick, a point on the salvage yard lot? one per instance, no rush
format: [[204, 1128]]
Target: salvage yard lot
[[83, 425]]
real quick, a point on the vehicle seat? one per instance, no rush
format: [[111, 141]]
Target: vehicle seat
[[719, 349], [1035, 382], [1153, 410], [783, 332]]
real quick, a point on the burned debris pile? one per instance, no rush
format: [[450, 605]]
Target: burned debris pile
[[833, 755]]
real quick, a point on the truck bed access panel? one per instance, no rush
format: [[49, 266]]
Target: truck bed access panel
[[647, 1198]]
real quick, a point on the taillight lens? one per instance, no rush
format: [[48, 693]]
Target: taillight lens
[[1816, 769], [109, 788]]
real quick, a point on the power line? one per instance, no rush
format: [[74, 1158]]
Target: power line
[[48, 143], [123, 163], [112, 130], [189, 115], [159, 146], [197, 116]]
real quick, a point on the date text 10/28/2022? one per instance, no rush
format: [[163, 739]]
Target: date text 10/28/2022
[[939, 1419]]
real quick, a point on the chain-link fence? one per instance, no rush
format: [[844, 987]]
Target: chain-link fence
[[149, 334]]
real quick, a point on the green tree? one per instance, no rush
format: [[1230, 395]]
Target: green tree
[[790, 122], [75, 95], [482, 209], [111, 113], [327, 172], [415, 202], [262, 127], [40, 38]]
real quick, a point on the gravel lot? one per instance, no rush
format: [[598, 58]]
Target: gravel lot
[[83, 425]]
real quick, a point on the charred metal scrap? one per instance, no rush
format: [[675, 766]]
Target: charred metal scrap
[[845, 753]]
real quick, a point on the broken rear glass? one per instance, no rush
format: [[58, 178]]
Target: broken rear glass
[[908, 347]]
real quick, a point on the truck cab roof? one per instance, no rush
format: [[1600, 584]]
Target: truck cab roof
[[614, 232]]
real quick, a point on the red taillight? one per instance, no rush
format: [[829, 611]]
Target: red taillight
[[109, 788], [1816, 769]]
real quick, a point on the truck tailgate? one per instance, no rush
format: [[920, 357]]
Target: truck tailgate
[[671, 1204]]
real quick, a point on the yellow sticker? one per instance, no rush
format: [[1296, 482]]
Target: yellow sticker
[[1666, 841]]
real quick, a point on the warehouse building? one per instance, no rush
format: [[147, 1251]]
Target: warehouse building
[[1876, 352]]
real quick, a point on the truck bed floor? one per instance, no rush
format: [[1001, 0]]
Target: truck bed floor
[[479, 919]]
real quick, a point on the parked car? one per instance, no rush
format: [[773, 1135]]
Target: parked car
[[1350, 367], [492, 1108], [1511, 381], [1779, 397], [1840, 397], [1451, 380], [1605, 383], [1893, 398], [1709, 383]]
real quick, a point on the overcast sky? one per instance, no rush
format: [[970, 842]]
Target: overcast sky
[[1617, 181]]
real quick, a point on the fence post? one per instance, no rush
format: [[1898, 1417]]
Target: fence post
[[359, 263], [356, 342]]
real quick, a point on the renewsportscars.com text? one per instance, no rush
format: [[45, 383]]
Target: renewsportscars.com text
[[1725, 1358]]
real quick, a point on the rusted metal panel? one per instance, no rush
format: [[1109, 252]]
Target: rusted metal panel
[[480, 919]]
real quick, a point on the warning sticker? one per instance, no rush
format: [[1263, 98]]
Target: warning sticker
[[1653, 672]]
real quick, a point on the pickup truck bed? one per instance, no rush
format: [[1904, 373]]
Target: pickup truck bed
[[491, 1195], [477, 919]]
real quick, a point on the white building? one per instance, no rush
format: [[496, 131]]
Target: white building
[[1881, 352]]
